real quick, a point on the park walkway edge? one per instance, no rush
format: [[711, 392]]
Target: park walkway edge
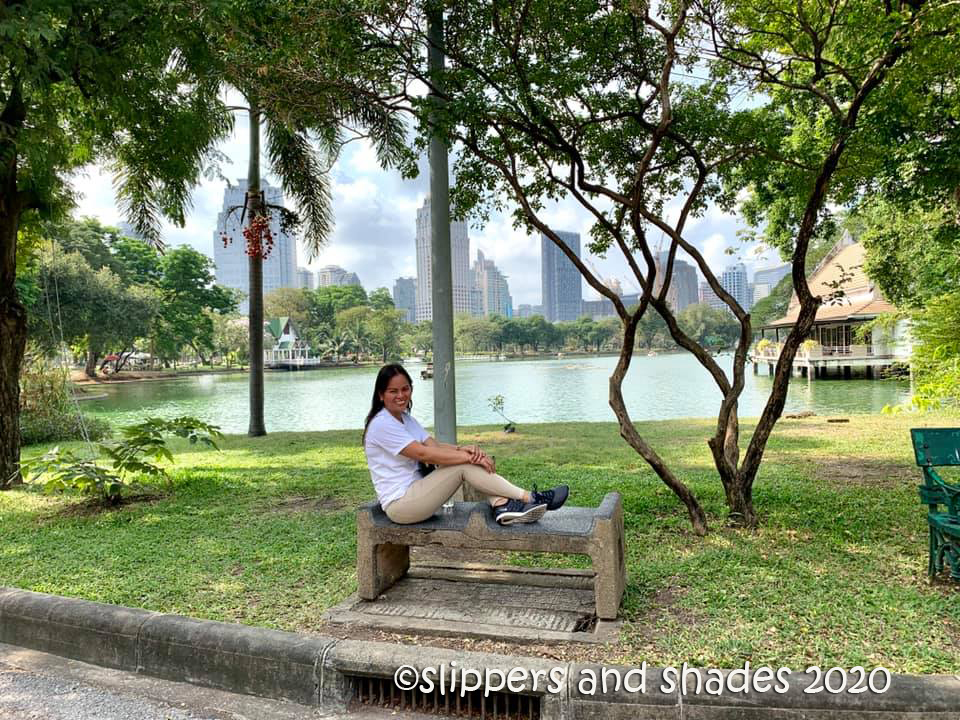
[[317, 671]]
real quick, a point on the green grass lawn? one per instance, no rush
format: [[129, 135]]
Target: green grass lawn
[[264, 533]]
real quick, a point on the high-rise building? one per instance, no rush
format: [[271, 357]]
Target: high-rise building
[[492, 288], [405, 297], [734, 281], [460, 262], [230, 257], [683, 290], [306, 279], [335, 275], [764, 281], [559, 279], [709, 297]]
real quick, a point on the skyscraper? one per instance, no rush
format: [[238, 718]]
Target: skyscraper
[[559, 279], [306, 279], [764, 281], [335, 275], [709, 297], [405, 297], [492, 288], [280, 267], [734, 281], [460, 261], [683, 289]]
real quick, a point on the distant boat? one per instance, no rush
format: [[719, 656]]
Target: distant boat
[[427, 372], [652, 353]]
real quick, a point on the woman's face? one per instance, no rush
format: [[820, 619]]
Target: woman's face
[[396, 398]]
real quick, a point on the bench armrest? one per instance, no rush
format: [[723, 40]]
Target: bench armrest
[[951, 492]]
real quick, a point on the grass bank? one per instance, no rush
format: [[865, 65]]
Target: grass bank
[[264, 533]]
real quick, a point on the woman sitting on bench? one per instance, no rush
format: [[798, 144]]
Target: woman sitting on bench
[[397, 448]]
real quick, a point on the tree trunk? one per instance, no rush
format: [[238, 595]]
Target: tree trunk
[[628, 432], [13, 316], [13, 340], [255, 208], [90, 368]]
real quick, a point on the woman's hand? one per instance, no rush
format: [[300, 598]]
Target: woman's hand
[[487, 463], [476, 454]]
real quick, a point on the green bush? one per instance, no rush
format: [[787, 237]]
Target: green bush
[[64, 470], [47, 411], [44, 427]]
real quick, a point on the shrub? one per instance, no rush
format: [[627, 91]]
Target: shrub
[[64, 470], [47, 411]]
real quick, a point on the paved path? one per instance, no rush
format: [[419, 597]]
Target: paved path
[[37, 686]]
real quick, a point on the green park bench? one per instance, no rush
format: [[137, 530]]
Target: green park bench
[[940, 447]]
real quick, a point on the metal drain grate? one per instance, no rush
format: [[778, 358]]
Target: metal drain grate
[[382, 692]]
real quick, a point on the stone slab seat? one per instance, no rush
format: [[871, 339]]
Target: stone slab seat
[[383, 547]]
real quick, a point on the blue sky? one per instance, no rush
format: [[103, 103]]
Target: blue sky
[[375, 214]]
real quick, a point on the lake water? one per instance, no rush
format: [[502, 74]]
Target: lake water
[[566, 389]]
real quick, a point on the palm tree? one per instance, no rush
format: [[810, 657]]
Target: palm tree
[[306, 122], [360, 340], [336, 345], [302, 170]]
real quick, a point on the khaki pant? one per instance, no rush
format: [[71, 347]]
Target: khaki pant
[[425, 496]]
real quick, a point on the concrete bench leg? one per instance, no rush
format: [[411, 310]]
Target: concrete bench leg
[[379, 567], [609, 565]]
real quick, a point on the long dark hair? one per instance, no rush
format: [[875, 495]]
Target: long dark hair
[[386, 374]]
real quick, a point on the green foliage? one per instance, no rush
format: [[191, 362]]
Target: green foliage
[[709, 326], [936, 352], [189, 298], [93, 308], [137, 455], [417, 337], [327, 302], [231, 340], [137, 99], [66, 470], [911, 250], [381, 299], [48, 413]]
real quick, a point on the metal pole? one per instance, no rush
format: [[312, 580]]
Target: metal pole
[[444, 385]]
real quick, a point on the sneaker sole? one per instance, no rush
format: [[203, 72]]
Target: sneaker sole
[[528, 516]]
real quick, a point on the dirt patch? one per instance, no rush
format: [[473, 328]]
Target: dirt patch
[[306, 504], [844, 471], [663, 611], [93, 506]]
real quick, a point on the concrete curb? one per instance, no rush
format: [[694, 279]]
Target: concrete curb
[[320, 671]]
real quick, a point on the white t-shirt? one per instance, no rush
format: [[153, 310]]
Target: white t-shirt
[[391, 472]]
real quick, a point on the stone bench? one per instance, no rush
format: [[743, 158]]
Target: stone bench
[[383, 547]]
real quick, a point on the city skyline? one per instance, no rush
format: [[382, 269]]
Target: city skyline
[[375, 219]]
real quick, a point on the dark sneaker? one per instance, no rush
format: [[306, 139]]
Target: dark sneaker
[[517, 511], [553, 498]]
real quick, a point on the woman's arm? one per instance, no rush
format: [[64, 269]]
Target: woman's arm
[[476, 454], [435, 453]]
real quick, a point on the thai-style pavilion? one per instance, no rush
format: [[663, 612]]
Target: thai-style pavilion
[[833, 348]]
